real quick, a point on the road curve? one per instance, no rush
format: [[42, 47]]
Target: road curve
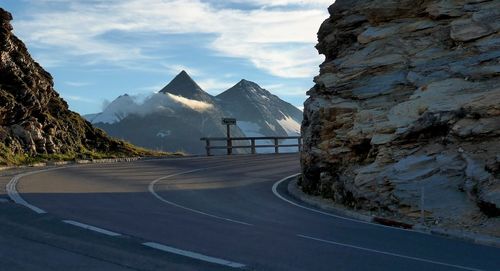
[[224, 207]]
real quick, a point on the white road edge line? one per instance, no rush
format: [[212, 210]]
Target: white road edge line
[[275, 192], [389, 253], [92, 228], [194, 255], [151, 188], [14, 195]]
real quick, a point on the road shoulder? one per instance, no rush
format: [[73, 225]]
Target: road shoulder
[[324, 204]]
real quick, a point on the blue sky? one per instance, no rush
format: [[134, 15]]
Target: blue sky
[[97, 50]]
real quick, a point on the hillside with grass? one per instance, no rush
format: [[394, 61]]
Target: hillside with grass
[[35, 122]]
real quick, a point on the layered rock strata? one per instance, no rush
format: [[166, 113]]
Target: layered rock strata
[[408, 99]]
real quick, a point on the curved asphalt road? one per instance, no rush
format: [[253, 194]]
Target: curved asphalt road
[[224, 207]]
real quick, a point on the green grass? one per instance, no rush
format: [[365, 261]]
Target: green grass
[[7, 157], [123, 150]]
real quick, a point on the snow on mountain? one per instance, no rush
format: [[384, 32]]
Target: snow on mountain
[[172, 120], [291, 126], [117, 110], [268, 114], [260, 113], [126, 105], [181, 113]]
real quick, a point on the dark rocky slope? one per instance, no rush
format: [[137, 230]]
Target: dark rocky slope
[[34, 120], [408, 98], [183, 85]]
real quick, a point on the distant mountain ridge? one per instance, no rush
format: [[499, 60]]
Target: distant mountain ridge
[[181, 113]]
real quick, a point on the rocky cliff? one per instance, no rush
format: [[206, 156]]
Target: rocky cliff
[[408, 98], [34, 120]]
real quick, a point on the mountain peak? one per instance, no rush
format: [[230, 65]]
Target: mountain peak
[[183, 85], [184, 75], [245, 88], [245, 84], [181, 82]]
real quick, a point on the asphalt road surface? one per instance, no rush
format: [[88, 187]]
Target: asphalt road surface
[[224, 207]]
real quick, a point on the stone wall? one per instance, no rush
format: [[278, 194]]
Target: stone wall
[[408, 98]]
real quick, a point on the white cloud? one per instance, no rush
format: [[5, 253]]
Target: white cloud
[[193, 104], [285, 90], [175, 69], [148, 89], [77, 84], [78, 99], [278, 40], [321, 3], [273, 86], [48, 61], [214, 86]]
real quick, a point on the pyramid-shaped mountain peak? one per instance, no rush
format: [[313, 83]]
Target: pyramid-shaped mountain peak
[[184, 76], [245, 83], [183, 85]]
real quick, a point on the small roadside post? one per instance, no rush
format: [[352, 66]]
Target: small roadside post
[[228, 122], [422, 207]]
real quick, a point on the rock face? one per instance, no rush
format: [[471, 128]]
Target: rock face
[[408, 98], [34, 120]]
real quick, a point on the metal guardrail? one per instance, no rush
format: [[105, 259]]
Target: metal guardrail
[[229, 143]]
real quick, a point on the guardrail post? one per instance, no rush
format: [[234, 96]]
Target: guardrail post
[[253, 145], [299, 143], [207, 146], [276, 146], [229, 142], [229, 147]]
